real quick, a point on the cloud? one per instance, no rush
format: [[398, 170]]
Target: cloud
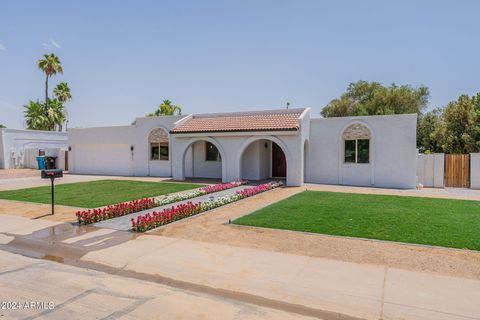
[[55, 44], [2, 47], [50, 44]]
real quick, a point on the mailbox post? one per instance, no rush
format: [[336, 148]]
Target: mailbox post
[[52, 174]]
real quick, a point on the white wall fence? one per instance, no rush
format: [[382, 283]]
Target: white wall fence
[[431, 170], [475, 170]]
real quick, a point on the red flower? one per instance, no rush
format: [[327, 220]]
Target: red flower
[[116, 210]]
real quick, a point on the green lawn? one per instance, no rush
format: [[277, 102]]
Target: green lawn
[[439, 222], [95, 194]]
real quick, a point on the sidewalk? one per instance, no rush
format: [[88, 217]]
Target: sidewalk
[[443, 193]]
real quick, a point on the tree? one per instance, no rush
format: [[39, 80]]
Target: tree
[[36, 116], [364, 98], [62, 92], [462, 125], [52, 113], [56, 114], [166, 109], [2, 126], [40, 116], [430, 131], [50, 65]]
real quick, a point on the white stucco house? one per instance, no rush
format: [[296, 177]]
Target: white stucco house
[[19, 148], [377, 151]]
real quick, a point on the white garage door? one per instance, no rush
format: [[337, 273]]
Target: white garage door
[[114, 159]]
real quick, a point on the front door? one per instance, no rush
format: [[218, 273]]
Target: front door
[[279, 163]]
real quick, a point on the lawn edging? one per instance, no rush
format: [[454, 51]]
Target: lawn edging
[[155, 219], [314, 234], [124, 208]]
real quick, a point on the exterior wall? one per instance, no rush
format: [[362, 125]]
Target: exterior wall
[[106, 150], [475, 170], [143, 166], [314, 153], [430, 170], [13, 144], [102, 150], [392, 152]]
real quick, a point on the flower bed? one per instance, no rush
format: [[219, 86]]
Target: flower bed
[[116, 210], [124, 208], [156, 219], [200, 192]]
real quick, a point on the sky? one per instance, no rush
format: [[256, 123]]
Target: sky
[[122, 58]]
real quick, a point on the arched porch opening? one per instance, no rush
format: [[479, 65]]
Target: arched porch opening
[[263, 158], [204, 158]]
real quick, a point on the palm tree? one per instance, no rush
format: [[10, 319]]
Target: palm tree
[[40, 117], [56, 114], [166, 109], [50, 65], [62, 92], [36, 116]]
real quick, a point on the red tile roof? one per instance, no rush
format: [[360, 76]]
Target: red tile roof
[[274, 120]]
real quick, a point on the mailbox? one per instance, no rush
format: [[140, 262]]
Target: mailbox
[[52, 174]]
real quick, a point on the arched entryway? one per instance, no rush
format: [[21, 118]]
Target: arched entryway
[[204, 158], [263, 158]]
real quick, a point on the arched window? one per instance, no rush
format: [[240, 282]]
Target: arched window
[[356, 139], [159, 146]]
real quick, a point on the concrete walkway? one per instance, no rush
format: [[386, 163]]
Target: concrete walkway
[[286, 282], [124, 222]]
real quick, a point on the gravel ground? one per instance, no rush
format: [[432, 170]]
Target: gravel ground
[[18, 173]]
